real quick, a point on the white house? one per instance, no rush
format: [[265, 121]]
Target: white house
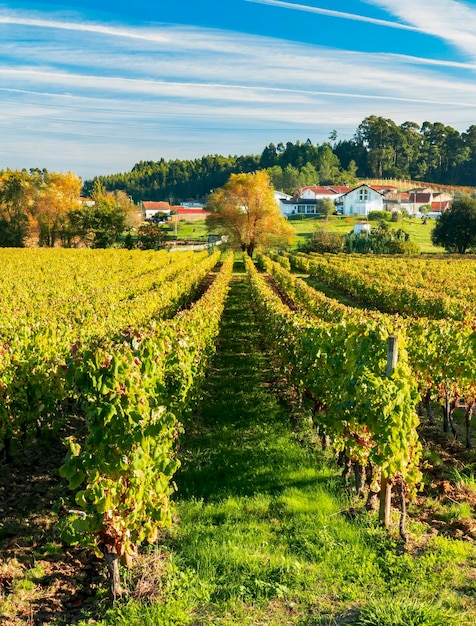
[[362, 200], [150, 209], [298, 206], [281, 199], [304, 200]]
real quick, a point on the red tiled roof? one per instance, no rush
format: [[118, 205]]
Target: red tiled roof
[[340, 188], [325, 189], [440, 206], [420, 198], [156, 206], [316, 189], [181, 210]]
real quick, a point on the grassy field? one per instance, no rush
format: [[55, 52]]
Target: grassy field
[[192, 231], [419, 233]]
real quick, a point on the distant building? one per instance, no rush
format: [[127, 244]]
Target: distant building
[[438, 201], [304, 200], [362, 227], [150, 209], [190, 214], [362, 200], [188, 211]]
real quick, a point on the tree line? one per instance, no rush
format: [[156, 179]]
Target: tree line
[[44, 208], [432, 152]]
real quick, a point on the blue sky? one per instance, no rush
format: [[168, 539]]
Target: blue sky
[[95, 86]]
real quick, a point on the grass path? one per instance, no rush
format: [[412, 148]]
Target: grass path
[[262, 537], [246, 482]]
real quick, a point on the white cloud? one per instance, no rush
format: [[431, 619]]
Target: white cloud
[[449, 20], [17, 19], [122, 94], [331, 13]]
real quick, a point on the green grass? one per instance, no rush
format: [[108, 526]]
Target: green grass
[[193, 230], [419, 233], [262, 536]]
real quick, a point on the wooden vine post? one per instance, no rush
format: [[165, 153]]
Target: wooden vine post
[[385, 481]]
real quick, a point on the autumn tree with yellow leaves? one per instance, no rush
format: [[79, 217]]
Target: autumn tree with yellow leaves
[[44, 208], [245, 208], [57, 195], [34, 206]]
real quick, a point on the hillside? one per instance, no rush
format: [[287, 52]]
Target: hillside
[[430, 154]]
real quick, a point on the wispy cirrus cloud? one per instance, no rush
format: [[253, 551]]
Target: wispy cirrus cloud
[[112, 91], [450, 20], [14, 18], [256, 72], [339, 14]]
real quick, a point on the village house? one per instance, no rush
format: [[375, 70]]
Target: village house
[[437, 201], [362, 200], [150, 209], [190, 211], [304, 200]]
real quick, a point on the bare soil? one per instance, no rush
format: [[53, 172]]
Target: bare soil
[[42, 580]]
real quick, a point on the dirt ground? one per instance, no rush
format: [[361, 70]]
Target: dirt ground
[[41, 579]]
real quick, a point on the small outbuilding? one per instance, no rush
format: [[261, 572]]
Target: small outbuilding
[[362, 227]]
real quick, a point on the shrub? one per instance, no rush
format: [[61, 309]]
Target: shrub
[[325, 241], [375, 216], [403, 247]]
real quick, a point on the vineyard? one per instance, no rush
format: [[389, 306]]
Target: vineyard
[[187, 400]]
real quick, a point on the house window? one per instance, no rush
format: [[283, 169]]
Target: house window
[[363, 195]]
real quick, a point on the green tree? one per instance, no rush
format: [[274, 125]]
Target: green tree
[[349, 175], [275, 174], [325, 206], [100, 224], [455, 230], [291, 178], [16, 197], [328, 165], [424, 210], [151, 236], [245, 208], [308, 175], [409, 146], [269, 156], [382, 139]]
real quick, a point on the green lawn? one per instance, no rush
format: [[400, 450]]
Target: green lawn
[[419, 233], [192, 231]]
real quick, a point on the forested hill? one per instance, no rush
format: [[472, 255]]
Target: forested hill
[[430, 152]]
